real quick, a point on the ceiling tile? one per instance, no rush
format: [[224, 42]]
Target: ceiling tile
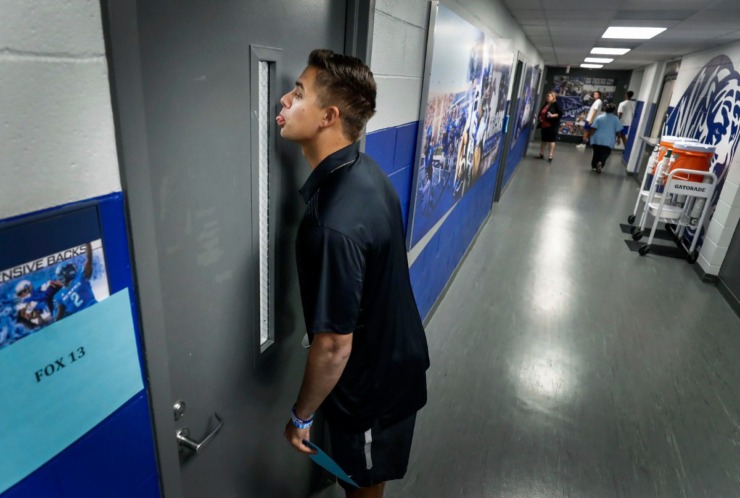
[[524, 15], [716, 15], [536, 30], [655, 15], [663, 4], [523, 4], [573, 27], [581, 14]]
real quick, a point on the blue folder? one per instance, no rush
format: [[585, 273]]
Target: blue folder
[[330, 465]]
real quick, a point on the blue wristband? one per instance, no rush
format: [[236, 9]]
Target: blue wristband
[[298, 422]]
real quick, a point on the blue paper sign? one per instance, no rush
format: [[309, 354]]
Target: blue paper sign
[[63, 380]]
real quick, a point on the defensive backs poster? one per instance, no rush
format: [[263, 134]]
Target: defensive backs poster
[[37, 293], [463, 118]]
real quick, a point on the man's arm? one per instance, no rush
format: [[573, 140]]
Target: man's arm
[[326, 361], [88, 270]]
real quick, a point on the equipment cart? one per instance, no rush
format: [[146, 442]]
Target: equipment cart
[[690, 213]]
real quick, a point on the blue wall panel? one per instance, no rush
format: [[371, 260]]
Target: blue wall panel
[[109, 460], [632, 133], [147, 489], [406, 136], [394, 150], [436, 263], [401, 181], [42, 483], [381, 146], [516, 154], [117, 457]]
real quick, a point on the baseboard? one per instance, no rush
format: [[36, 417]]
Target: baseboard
[[704, 276], [729, 296]]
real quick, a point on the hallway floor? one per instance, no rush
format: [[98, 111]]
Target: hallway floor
[[565, 365]]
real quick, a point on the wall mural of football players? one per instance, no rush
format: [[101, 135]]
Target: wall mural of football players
[[575, 96], [46, 290], [526, 103], [709, 111], [463, 117]]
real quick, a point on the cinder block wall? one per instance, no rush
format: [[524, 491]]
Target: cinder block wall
[[57, 133]]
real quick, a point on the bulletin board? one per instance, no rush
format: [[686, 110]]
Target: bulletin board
[[68, 351]]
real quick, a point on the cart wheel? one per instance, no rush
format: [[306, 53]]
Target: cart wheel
[[693, 257], [644, 249], [637, 234], [631, 219], [634, 229]]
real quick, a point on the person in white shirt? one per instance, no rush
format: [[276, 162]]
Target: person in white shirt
[[593, 113], [626, 112]]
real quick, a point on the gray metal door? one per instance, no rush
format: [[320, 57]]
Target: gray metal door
[[196, 87]]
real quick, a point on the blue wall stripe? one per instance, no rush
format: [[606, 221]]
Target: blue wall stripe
[[381, 146], [516, 155], [406, 136], [438, 260], [632, 133]]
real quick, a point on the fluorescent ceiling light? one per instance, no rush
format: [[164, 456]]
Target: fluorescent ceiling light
[[594, 66], [603, 60], [609, 51], [632, 33]]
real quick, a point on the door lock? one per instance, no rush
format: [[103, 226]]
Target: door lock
[[179, 408]]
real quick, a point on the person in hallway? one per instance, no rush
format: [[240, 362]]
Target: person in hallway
[[593, 113], [366, 367], [625, 112], [603, 135], [549, 124]]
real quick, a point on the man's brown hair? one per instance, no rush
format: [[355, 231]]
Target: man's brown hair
[[346, 82]]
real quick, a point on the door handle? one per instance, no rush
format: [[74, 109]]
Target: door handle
[[184, 440]]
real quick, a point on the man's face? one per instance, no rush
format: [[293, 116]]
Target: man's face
[[301, 117], [597, 95]]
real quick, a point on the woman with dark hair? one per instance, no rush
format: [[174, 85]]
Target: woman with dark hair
[[603, 135], [549, 123]]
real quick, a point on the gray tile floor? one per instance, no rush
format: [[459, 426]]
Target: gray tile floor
[[564, 365]]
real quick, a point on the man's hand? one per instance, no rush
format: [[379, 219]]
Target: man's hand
[[295, 437]]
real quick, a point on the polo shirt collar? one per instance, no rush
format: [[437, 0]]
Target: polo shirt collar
[[326, 167]]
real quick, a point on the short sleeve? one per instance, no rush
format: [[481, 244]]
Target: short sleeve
[[334, 281]]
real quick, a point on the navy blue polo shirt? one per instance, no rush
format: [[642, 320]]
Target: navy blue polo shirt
[[354, 278]]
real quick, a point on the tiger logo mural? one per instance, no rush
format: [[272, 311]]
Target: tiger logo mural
[[709, 111]]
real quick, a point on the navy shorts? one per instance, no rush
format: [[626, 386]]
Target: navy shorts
[[377, 455]]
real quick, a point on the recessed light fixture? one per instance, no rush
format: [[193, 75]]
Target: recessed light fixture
[[602, 60], [609, 51], [593, 66], [629, 33]]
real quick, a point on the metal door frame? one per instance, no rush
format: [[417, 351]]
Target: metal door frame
[[509, 134], [121, 32]]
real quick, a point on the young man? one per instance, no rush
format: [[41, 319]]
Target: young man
[[366, 367], [603, 134], [593, 113], [625, 112]]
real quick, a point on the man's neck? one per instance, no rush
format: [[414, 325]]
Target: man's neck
[[318, 150]]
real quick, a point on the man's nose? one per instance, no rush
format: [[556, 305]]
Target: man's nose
[[284, 100]]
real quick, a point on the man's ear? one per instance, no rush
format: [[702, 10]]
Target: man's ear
[[331, 116]]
